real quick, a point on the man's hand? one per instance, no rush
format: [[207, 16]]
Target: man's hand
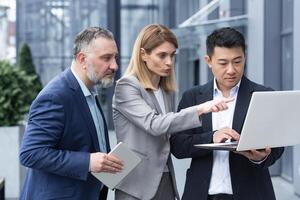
[[102, 162], [224, 134], [256, 155], [214, 105]]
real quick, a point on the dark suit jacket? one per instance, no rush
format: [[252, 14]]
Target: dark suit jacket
[[249, 181], [57, 143]]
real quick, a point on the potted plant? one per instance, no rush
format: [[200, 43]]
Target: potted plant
[[16, 95]]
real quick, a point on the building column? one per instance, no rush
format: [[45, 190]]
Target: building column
[[114, 25], [203, 66], [296, 86], [255, 52], [296, 50]]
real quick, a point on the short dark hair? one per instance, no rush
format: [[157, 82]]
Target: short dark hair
[[224, 37], [86, 36]]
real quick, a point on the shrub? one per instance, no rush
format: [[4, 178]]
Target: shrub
[[26, 64], [15, 93]]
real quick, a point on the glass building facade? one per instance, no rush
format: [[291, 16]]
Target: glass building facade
[[3, 31], [49, 27], [136, 15]]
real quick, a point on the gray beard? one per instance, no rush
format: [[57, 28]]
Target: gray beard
[[105, 83]]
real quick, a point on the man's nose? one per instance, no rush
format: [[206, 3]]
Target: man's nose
[[114, 65], [230, 68]]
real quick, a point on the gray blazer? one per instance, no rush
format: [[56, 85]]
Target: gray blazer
[[140, 124]]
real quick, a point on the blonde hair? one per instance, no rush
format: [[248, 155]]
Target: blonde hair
[[149, 38]]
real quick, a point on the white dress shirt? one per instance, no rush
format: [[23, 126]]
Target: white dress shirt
[[220, 181], [160, 98]]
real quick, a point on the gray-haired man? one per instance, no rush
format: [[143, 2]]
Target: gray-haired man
[[66, 137]]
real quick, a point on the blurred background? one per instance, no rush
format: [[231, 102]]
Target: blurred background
[[48, 27]]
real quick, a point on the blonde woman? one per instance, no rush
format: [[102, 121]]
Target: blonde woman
[[144, 117]]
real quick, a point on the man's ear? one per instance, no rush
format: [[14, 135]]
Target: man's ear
[[144, 55], [207, 60], [81, 58]]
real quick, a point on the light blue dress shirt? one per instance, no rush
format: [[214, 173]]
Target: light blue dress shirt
[[90, 96]]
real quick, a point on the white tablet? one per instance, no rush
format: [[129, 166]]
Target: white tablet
[[130, 161]]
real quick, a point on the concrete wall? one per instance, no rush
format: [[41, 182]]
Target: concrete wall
[[10, 168]]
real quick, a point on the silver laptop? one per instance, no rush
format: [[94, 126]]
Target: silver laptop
[[272, 120]]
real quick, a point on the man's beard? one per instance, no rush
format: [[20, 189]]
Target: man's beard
[[93, 76]]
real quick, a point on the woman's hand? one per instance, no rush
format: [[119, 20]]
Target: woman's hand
[[214, 105]]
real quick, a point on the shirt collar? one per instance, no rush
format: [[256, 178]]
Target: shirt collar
[[85, 90], [233, 91]]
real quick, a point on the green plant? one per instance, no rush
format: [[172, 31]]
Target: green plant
[[25, 59], [15, 95], [25, 63]]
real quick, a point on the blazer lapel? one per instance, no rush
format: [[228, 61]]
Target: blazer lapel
[[242, 103], [155, 102], [83, 107], [168, 104], [206, 95], [167, 101]]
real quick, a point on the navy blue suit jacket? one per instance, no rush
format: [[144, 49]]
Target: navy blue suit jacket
[[249, 181], [57, 143]]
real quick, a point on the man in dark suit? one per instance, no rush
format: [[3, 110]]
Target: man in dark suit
[[223, 175], [66, 137]]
